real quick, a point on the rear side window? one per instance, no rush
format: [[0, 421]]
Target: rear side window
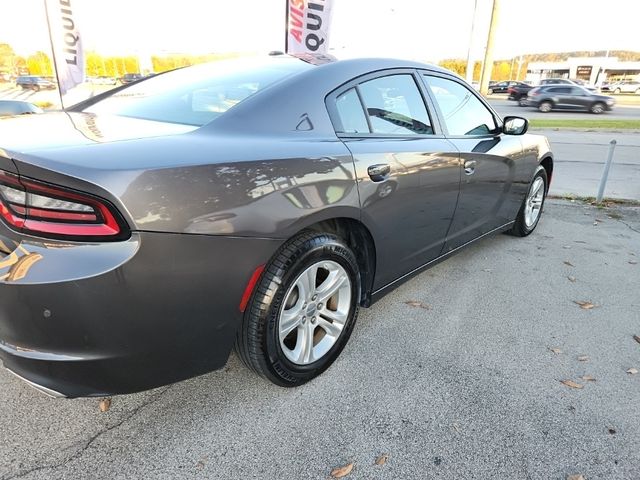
[[556, 90], [196, 95], [463, 112], [395, 106], [351, 113]]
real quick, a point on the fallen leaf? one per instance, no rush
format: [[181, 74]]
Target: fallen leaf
[[588, 378], [569, 264], [583, 358], [571, 279], [611, 430], [416, 304], [585, 305], [105, 405], [341, 472], [456, 427], [633, 262], [632, 371], [636, 338], [382, 459], [575, 477], [571, 383], [566, 246], [556, 350], [488, 270]]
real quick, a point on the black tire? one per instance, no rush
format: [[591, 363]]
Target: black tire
[[617, 91], [36, 88], [490, 91], [257, 341], [522, 101], [520, 227], [598, 108], [545, 106]]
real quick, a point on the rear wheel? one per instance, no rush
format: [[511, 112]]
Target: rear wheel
[[303, 310], [545, 107], [597, 108], [531, 209]]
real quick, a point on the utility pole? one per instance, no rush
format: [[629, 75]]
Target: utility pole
[[470, 62], [487, 65]]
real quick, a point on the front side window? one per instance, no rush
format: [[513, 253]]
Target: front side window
[[395, 106], [463, 112]]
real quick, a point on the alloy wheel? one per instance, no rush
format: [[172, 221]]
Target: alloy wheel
[[534, 202], [314, 312]]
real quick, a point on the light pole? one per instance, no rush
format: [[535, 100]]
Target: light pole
[[487, 65], [470, 62]]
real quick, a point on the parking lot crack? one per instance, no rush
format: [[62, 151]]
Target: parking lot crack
[[89, 442], [630, 227]]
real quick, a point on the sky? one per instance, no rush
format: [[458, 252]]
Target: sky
[[426, 30]]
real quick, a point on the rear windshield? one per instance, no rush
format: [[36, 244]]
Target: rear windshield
[[196, 95]]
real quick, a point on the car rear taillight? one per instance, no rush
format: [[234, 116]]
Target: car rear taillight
[[51, 211], [511, 90]]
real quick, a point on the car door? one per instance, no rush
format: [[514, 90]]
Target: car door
[[561, 96], [493, 180], [578, 99], [408, 173]]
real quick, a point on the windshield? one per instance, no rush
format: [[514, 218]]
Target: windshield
[[196, 95]]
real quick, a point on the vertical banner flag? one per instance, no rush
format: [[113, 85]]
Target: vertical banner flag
[[308, 23], [66, 43]]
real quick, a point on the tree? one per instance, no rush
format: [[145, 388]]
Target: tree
[[40, 64]]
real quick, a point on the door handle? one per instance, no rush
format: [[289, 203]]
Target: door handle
[[469, 167], [379, 172]]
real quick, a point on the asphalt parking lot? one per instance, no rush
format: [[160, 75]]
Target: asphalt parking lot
[[464, 381]]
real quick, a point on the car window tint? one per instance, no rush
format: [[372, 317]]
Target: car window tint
[[351, 113], [577, 91], [394, 106], [463, 113]]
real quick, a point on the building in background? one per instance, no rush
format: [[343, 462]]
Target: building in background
[[593, 70]]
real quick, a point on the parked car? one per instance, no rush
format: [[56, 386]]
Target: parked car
[[105, 80], [519, 93], [568, 97], [131, 77], [17, 107], [34, 82], [251, 203], [502, 87], [625, 86], [566, 81]]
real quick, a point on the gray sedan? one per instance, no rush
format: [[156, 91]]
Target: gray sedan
[[255, 204]]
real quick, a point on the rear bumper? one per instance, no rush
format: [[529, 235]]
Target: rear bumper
[[100, 319]]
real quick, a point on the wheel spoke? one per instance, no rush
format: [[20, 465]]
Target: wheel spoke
[[331, 285], [333, 329], [303, 351], [335, 316], [290, 319], [307, 282]]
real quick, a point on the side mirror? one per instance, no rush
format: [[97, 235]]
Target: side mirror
[[515, 125]]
